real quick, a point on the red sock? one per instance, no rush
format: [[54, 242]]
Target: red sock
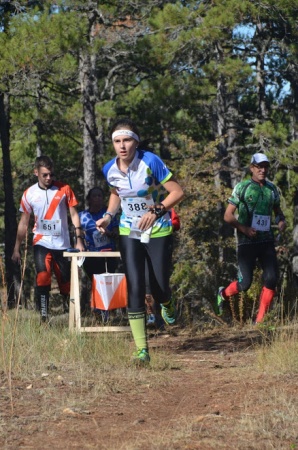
[[266, 298], [230, 290]]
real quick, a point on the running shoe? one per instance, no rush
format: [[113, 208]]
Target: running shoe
[[169, 312], [219, 302], [150, 320], [141, 356]]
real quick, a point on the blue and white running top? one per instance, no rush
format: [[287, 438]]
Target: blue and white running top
[[141, 186], [95, 241]]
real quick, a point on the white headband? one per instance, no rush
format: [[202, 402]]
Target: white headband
[[127, 132]]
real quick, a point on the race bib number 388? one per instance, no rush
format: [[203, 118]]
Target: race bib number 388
[[136, 206], [49, 227]]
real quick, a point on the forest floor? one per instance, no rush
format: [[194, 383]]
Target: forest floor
[[213, 395]]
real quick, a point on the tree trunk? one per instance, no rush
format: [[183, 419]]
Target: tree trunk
[[294, 114], [262, 44], [12, 272], [90, 146], [226, 132], [89, 92]]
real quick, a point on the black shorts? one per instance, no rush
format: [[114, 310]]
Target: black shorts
[[248, 255]]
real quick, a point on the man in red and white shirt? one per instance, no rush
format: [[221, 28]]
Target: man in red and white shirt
[[49, 201]]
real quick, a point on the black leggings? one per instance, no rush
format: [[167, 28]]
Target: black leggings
[[266, 255], [157, 254], [47, 260]]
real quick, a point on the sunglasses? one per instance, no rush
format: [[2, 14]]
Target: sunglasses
[[50, 175], [261, 166]]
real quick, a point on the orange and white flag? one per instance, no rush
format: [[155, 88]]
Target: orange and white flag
[[109, 291]]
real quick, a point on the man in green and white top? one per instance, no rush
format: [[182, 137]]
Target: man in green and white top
[[254, 200]]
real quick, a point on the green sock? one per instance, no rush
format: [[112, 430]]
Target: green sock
[[137, 322]]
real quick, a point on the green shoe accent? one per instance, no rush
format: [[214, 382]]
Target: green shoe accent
[[169, 312], [218, 308], [141, 356]]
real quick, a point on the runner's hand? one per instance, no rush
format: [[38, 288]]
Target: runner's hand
[[282, 225], [146, 221], [102, 223], [16, 257], [249, 231]]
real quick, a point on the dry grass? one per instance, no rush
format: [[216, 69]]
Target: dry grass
[[278, 418], [279, 352], [56, 342], [74, 372], [38, 349]]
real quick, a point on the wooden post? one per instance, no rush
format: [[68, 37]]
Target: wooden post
[[75, 303]]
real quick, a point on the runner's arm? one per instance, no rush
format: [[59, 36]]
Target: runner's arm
[[113, 207], [280, 219], [230, 218], [78, 230], [175, 194], [21, 234]]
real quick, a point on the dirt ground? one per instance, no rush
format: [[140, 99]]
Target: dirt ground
[[212, 397]]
